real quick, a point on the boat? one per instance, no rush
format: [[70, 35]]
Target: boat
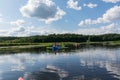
[[57, 47]]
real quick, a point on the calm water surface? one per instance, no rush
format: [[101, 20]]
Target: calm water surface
[[92, 63]]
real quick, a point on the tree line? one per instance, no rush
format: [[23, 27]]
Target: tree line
[[61, 38]]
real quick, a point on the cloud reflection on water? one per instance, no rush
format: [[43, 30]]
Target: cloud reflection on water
[[109, 60], [102, 58], [49, 72], [17, 62]]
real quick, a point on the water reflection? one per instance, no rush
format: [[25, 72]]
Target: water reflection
[[83, 64], [48, 73], [103, 59]]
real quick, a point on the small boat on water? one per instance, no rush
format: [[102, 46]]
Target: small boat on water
[[56, 47]]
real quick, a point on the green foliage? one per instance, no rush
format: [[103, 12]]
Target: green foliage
[[61, 38]]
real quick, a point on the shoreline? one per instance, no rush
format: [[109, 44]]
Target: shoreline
[[43, 46]]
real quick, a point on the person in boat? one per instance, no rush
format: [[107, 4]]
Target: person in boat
[[56, 47]]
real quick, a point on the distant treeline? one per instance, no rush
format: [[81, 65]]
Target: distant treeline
[[61, 38]]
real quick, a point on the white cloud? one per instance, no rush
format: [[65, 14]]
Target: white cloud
[[17, 22], [85, 22], [29, 31], [112, 28], [0, 15], [44, 10], [73, 5], [111, 1], [20, 31], [90, 5], [1, 18], [110, 15], [59, 14], [3, 33]]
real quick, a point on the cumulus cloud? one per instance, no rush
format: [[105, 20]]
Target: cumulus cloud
[[29, 31], [111, 28], [90, 5], [73, 5], [110, 15], [44, 10], [111, 1], [17, 22], [3, 33], [20, 31]]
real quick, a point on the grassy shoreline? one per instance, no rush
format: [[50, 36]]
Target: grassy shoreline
[[5, 46]]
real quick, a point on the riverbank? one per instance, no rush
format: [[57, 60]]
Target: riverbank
[[42, 46]]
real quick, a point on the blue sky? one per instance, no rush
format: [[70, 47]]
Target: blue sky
[[41, 17]]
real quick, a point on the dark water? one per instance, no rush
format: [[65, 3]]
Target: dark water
[[92, 63]]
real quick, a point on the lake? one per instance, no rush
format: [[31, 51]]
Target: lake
[[89, 63]]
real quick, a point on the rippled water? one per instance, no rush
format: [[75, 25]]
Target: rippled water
[[92, 63]]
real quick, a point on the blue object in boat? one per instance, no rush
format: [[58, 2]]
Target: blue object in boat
[[56, 48]]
